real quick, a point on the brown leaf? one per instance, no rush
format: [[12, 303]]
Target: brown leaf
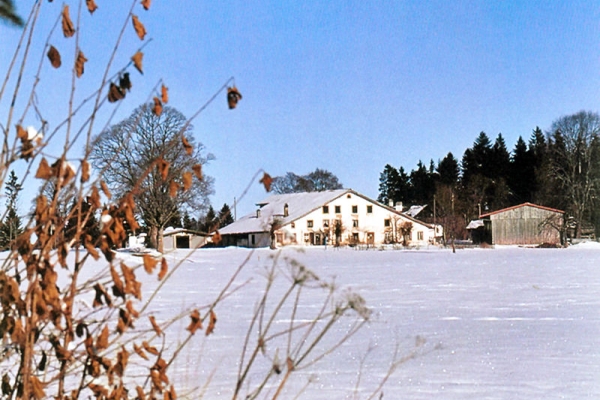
[[198, 171], [173, 188], [164, 94], [132, 286], [79, 62], [211, 323], [140, 393], [67, 24], [149, 263], [146, 4], [44, 170], [195, 323], [22, 133], [85, 171], [37, 388], [155, 326], [54, 57], [164, 268], [102, 340], [122, 359], [134, 313], [189, 149], [233, 96], [217, 238], [186, 177], [105, 189], [150, 349], [163, 168], [139, 351], [91, 6], [157, 109], [118, 288], [138, 26], [137, 61], [266, 181], [125, 82], [115, 93]]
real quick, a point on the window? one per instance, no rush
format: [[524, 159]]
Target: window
[[309, 223], [420, 235], [293, 225], [325, 209], [387, 222], [354, 209], [325, 223], [369, 209], [355, 223], [338, 209]]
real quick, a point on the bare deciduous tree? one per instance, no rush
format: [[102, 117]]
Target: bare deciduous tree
[[129, 150]]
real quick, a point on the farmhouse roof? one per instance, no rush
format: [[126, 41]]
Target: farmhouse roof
[[519, 206], [298, 205]]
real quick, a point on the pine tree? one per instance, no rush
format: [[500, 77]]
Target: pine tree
[[11, 225], [522, 173], [448, 171], [225, 217], [210, 222]]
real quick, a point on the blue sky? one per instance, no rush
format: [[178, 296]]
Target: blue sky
[[350, 86]]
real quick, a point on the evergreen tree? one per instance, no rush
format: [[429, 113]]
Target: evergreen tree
[[189, 222], [522, 173], [225, 216], [11, 225], [210, 222], [387, 184], [476, 160], [423, 185], [499, 163], [448, 170]]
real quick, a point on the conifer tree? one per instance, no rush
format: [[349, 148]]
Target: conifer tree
[[11, 225], [225, 217]]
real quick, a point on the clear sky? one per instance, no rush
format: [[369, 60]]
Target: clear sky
[[350, 86]]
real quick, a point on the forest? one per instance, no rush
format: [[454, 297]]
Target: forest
[[558, 169]]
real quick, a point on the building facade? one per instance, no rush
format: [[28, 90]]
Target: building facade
[[335, 217]]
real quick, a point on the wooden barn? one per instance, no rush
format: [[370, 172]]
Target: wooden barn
[[525, 224]]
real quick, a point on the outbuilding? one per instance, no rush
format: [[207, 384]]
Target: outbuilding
[[524, 224]]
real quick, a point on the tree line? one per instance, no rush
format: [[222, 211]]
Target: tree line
[[558, 169]]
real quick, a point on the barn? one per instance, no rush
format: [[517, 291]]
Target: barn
[[525, 224], [183, 239]]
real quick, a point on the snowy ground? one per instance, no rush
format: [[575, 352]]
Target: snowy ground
[[507, 323]]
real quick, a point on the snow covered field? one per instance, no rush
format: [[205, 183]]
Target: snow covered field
[[507, 323]]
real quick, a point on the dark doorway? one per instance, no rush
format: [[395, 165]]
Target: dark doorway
[[182, 242]]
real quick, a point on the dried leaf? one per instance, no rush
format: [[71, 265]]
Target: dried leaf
[[22, 133], [198, 171], [42, 364], [155, 326], [137, 61], [139, 351], [146, 4], [102, 340], [125, 82], [157, 109], [105, 189], [189, 149], [195, 323], [85, 171], [134, 313], [54, 57], [164, 268], [122, 359], [67, 24], [79, 63], [138, 26], [233, 96], [118, 288], [217, 238], [163, 168], [140, 393], [37, 387], [266, 180], [44, 170], [173, 188], [150, 349], [91, 6], [211, 323], [164, 94], [186, 177], [149, 263], [115, 93]]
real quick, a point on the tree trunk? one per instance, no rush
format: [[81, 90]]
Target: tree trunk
[[153, 237], [160, 241]]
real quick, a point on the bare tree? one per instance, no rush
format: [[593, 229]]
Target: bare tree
[[575, 155], [147, 155]]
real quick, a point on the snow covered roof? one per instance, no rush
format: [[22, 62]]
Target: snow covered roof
[[413, 211], [299, 204], [476, 223]]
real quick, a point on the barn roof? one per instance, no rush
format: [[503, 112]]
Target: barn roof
[[519, 206]]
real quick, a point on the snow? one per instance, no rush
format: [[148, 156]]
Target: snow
[[507, 323]]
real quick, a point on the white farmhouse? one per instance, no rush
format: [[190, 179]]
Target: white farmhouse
[[331, 217]]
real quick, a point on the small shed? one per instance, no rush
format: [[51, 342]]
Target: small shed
[[525, 224], [183, 239]]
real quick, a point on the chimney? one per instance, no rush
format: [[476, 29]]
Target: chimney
[[258, 213], [286, 210], [391, 203], [398, 206]]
